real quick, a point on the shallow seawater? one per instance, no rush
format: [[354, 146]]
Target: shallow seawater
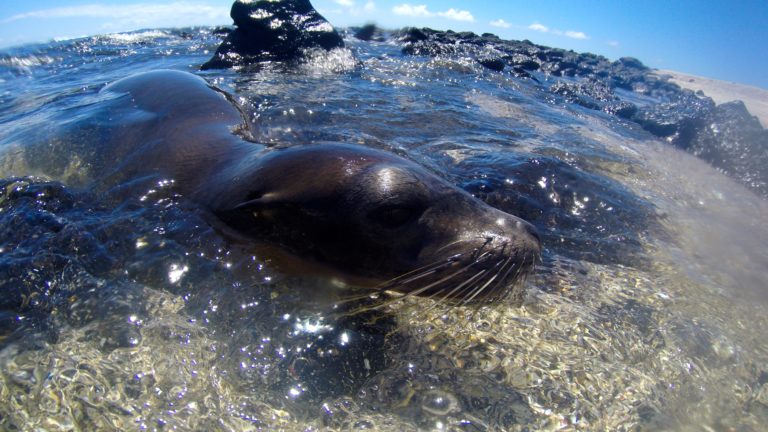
[[125, 310]]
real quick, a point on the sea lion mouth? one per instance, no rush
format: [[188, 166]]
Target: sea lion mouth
[[490, 272]]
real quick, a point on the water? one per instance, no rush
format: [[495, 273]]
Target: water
[[123, 309]]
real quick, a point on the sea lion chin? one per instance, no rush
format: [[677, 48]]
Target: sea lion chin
[[359, 213]]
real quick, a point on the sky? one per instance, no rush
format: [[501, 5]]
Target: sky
[[721, 39]]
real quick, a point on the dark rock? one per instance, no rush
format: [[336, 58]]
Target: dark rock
[[590, 94], [621, 109], [496, 64], [676, 121], [524, 62], [273, 30], [222, 31], [522, 73], [632, 62], [726, 136], [412, 35], [370, 32], [735, 142]]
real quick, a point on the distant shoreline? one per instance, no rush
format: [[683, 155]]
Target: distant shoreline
[[755, 98]]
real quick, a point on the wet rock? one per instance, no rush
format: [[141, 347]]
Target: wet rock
[[676, 121], [222, 31], [725, 136], [621, 109], [590, 94], [369, 32], [273, 30], [412, 35], [522, 73], [523, 61], [631, 62], [495, 64], [734, 141]]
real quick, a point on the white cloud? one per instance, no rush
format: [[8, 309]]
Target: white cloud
[[413, 11], [570, 33], [457, 15], [613, 43], [500, 23], [576, 35], [350, 8], [406, 9]]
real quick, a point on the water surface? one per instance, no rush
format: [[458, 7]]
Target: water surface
[[124, 309]]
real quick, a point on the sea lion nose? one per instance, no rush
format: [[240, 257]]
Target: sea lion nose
[[529, 228], [518, 230]]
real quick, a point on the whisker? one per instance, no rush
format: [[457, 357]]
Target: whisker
[[520, 274], [385, 286], [393, 283], [449, 280], [496, 289], [449, 245], [359, 297], [510, 266], [478, 291], [459, 288], [420, 290], [478, 260], [466, 282], [474, 293], [487, 241], [424, 288], [425, 270]]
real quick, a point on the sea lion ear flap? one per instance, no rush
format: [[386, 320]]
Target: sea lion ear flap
[[258, 201], [261, 207], [250, 204]]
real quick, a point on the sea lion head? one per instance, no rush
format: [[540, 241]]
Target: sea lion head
[[373, 216]]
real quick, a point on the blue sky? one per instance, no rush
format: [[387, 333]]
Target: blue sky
[[724, 39]]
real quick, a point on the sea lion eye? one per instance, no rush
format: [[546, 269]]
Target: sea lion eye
[[393, 216]]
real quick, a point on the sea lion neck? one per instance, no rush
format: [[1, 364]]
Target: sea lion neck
[[224, 181]]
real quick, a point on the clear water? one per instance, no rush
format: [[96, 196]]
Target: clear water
[[127, 311]]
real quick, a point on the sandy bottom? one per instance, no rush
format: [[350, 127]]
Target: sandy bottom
[[755, 98]]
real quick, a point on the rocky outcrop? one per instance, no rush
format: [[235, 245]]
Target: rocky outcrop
[[734, 141], [273, 30], [369, 32], [726, 136]]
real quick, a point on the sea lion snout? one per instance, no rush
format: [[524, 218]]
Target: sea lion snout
[[472, 251], [513, 230]]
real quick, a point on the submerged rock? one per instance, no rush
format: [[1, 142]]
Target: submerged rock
[[273, 30]]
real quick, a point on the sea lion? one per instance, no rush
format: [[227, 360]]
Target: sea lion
[[365, 215]]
